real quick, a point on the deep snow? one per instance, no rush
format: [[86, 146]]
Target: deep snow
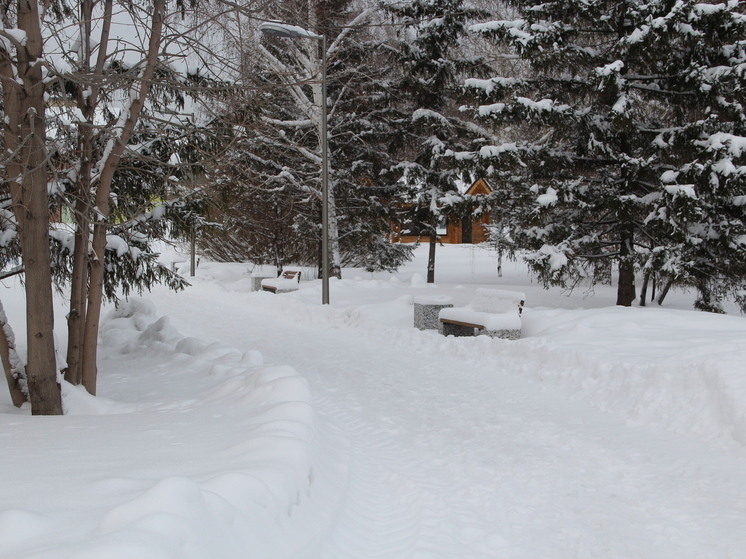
[[237, 424]]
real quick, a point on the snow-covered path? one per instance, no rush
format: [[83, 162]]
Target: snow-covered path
[[440, 453]]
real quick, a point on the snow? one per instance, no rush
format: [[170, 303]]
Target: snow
[[239, 424], [18, 35], [427, 114], [549, 198], [681, 190], [488, 86], [489, 321], [117, 244], [614, 68], [495, 151], [557, 259], [494, 309], [495, 25], [486, 110], [735, 145]]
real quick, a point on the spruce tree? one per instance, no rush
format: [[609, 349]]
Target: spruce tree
[[620, 139], [431, 66]]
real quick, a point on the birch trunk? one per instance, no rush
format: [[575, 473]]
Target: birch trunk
[[336, 253]]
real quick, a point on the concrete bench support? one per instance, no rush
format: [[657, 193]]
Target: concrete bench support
[[426, 312], [256, 282]]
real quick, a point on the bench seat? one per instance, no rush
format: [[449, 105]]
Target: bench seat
[[492, 312], [284, 284]]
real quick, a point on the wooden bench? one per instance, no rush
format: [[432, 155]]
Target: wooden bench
[[492, 312], [287, 282]]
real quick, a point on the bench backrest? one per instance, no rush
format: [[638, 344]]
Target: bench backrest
[[497, 301], [291, 275]]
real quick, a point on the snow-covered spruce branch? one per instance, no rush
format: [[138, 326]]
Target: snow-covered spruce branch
[[289, 123], [310, 155], [658, 91], [155, 214], [285, 175], [363, 18], [296, 92], [12, 272]]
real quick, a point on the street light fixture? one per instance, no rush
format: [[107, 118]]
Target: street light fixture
[[279, 29]]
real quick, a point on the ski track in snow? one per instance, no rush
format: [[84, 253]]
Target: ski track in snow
[[447, 458]]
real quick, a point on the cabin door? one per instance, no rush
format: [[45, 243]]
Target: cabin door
[[466, 226]]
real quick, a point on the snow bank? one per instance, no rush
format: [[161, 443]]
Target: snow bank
[[212, 467]]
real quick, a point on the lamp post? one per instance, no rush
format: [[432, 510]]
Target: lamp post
[[277, 29]]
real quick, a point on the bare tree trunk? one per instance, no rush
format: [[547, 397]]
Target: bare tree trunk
[[121, 135], [626, 287], [8, 356], [87, 104], [644, 289], [431, 257], [664, 291], [25, 144], [78, 287]]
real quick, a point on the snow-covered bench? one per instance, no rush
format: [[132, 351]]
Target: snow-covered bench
[[284, 284], [492, 312]]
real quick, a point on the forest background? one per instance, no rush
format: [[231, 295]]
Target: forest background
[[611, 133]]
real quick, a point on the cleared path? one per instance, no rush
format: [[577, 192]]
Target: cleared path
[[446, 457]]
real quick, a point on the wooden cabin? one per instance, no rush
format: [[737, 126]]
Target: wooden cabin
[[455, 231]]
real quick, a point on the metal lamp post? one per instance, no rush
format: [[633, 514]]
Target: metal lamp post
[[277, 29]]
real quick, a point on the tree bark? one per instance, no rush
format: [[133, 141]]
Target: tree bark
[[7, 347], [87, 103], [431, 257], [665, 291], [626, 287], [644, 289], [25, 143], [78, 286], [121, 135]]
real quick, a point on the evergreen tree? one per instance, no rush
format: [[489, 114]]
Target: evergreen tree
[[629, 123], [431, 67]]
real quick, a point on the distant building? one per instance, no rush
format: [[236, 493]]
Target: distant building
[[454, 231]]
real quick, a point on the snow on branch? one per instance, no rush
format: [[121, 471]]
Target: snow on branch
[[360, 19], [289, 123], [735, 146], [488, 86], [427, 114], [497, 25]]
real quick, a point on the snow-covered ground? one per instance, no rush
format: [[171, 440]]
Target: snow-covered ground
[[238, 424]]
